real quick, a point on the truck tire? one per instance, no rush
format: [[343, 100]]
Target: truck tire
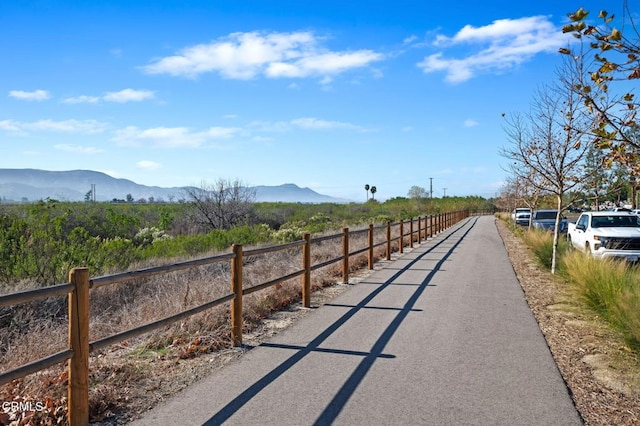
[[587, 249]]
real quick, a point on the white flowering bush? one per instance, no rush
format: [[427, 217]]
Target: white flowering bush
[[150, 235]]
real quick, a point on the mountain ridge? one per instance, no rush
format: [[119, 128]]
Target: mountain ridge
[[27, 185]]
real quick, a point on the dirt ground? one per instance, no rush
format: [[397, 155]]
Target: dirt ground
[[602, 374]]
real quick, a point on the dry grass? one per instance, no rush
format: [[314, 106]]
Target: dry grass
[[37, 330]]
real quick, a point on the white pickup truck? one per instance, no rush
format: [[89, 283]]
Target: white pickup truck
[[607, 234]]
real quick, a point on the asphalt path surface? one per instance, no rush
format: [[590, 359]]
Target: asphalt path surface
[[441, 336]]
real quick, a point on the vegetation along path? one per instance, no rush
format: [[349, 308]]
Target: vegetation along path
[[442, 335]]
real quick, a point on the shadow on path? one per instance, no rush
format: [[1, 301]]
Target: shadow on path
[[338, 402]]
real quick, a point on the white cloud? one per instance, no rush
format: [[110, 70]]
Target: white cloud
[[409, 40], [78, 149], [81, 100], [128, 95], [470, 123], [171, 137], [268, 126], [218, 132], [10, 126], [66, 126], [305, 123], [276, 55], [505, 43], [37, 95], [322, 64], [261, 139], [310, 123], [148, 165], [123, 96]]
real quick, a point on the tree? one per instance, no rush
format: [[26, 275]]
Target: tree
[[373, 191], [366, 188], [599, 181], [223, 204], [526, 189], [417, 192], [546, 148], [613, 58], [129, 198]]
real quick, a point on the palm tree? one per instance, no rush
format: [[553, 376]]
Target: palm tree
[[366, 188], [373, 191]]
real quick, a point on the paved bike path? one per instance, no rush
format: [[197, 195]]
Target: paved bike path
[[442, 335]]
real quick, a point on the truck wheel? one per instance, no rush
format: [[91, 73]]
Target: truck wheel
[[587, 249]]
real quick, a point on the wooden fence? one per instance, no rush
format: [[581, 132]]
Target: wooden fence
[[80, 283]]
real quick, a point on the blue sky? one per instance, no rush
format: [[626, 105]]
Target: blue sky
[[329, 95]]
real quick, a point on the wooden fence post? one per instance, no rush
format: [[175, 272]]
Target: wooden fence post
[[236, 288], [431, 226], [345, 253], [370, 235], [419, 229], [78, 388], [401, 240], [411, 233], [306, 265], [389, 240]]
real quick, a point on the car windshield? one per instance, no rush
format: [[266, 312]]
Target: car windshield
[[545, 215], [630, 221]]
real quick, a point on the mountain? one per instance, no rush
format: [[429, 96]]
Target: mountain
[[75, 185], [290, 192]]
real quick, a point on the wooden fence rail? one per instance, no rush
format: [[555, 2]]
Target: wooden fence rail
[[80, 283]]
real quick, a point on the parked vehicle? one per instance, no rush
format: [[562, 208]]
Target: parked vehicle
[[521, 215], [546, 220], [607, 234]]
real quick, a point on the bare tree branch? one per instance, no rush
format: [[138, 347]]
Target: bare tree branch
[[223, 204]]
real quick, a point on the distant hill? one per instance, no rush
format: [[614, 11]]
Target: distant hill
[[19, 185], [290, 192]]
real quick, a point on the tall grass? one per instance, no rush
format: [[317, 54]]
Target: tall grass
[[541, 243], [611, 288]]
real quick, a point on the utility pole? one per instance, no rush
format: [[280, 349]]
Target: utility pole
[[430, 187], [445, 192], [93, 192]]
